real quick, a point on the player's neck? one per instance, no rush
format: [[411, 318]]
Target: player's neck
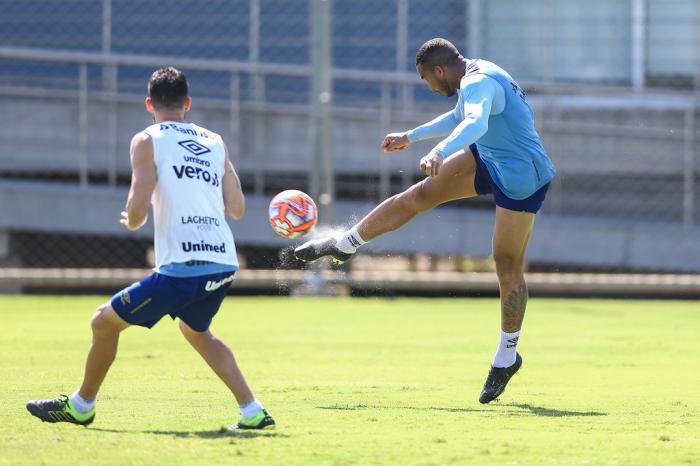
[[462, 69], [177, 117], [458, 74]]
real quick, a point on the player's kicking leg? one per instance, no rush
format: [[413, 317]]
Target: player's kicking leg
[[79, 408], [456, 181], [510, 239], [220, 358]]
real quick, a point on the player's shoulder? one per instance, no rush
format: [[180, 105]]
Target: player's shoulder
[[141, 147], [472, 80], [140, 139], [477, 84]]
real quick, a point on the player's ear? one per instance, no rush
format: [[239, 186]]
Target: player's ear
[[149, 105], [188, 103], [439, 71]]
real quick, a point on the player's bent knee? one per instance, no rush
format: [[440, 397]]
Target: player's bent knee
[[417, 199], [105, 321], [97, 321]]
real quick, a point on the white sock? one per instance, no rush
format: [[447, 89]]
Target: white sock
[[505, 354], [349, 241], [80, 403], [251, 409]]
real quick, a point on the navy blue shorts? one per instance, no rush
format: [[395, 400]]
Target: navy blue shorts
[[195, 300], [483, 184]]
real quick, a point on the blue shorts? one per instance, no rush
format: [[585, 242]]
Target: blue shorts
[[195, 300], [484, 184]]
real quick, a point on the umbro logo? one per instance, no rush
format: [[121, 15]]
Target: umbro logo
[[512, 342], [194, 147]]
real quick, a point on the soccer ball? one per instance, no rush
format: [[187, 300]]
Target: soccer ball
[[292, 214]]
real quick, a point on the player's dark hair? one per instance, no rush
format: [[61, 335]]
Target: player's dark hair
[[437, 52], [168, 88]]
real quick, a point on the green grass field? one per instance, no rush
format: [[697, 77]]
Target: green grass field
[[366, 381]]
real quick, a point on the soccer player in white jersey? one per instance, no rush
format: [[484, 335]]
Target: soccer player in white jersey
[[490, 146], [184, 171]]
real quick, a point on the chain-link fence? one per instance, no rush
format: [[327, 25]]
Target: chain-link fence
[[615, 86]]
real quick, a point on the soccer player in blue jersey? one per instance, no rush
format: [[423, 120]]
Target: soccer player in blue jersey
[[184, 171], [489, 145]]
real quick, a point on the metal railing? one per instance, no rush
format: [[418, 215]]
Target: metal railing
[[386, 113]]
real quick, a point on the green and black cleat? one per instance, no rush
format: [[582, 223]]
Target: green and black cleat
[[316, 249], [498, 379], [59, 410], [260, 421]]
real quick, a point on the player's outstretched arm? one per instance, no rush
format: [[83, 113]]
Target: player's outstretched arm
[[440, 126], [234, 201], [143, 182], [437, 127]]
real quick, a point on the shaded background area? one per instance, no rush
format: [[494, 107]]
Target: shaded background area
[[614, 84]]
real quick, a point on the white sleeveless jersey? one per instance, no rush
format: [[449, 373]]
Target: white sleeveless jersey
[[188, 203]]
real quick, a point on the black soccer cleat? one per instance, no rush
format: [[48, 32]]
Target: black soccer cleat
[[316, 249], [59, 410], [498, 379]]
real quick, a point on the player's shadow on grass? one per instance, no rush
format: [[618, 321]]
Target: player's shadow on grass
[[520, 407], [550, 412], [207, 434], [361, 407]]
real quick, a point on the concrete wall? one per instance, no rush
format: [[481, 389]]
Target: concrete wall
[[446, 231]]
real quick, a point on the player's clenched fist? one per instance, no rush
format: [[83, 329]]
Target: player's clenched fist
[[395, 141], [431, 163]]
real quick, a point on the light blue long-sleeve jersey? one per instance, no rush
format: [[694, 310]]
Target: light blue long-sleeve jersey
[[492, 111]]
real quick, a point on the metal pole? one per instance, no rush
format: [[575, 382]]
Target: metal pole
[[254, 32], [638, 70], [402, 42], [83, 125], [258, 91], [109, 84], [106, 39], [401, 33], [234, 145], [406, 89], [696, 20], [112, 127], [258, 143], [385, 118], [688, 167], [473, 28], [322, 182]]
